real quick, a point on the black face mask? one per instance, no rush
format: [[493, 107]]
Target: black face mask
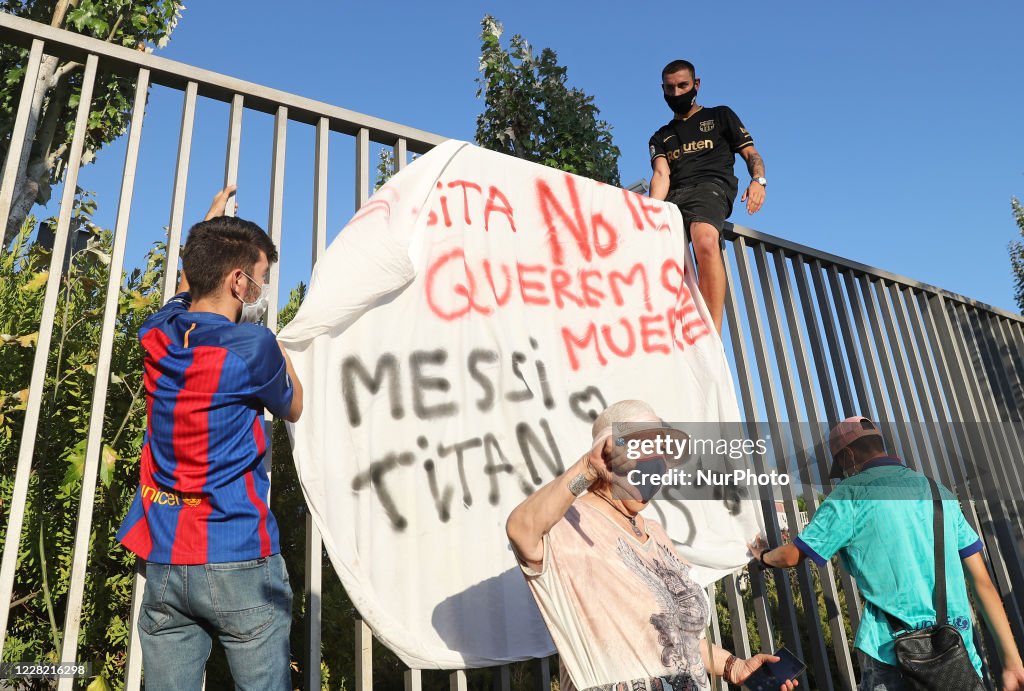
[[682, 103], [647, 468]]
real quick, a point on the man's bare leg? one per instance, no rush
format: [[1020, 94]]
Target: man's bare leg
[[710, 268]]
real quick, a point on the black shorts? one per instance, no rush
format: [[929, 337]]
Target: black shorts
[[705, 202]]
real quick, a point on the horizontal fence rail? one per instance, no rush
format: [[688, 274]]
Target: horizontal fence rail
[[814, 338]]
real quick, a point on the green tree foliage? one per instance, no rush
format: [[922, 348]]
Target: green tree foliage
[[44, 562], [1016, 249], [771, 580], [530, 111], [386, 166], [139, 24]]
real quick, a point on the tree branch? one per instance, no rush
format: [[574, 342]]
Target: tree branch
[[22, 600], [128, 415], [113, 30], [54, 631], [63, 70], [60, 12]]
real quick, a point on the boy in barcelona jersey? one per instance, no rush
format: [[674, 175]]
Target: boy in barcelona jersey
[[201, 518]]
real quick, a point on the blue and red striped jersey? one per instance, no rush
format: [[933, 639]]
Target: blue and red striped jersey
[[203, 491]]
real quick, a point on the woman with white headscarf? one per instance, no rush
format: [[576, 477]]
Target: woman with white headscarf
[[617, 598]]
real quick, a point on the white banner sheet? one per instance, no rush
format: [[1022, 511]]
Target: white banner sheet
[[458, 338]]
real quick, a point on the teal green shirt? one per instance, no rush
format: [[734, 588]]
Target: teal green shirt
[[880, 523]]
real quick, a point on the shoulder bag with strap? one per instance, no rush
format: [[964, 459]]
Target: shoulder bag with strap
[[935, 658]]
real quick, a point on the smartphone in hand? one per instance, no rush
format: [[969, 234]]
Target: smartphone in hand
[[771, 675]]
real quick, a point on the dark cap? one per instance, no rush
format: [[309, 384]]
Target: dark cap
[[844, 434]]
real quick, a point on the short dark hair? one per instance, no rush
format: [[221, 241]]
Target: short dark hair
[[220, 245], [678, 66], [869, 444]]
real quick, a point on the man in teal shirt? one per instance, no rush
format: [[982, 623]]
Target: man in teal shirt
[[879, 521]]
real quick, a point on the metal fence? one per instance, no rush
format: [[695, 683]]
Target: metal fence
[[814, 338]]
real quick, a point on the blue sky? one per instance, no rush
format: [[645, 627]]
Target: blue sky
[[889, 130]]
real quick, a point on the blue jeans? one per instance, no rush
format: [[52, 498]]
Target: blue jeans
[[878, 676], [247, 605]]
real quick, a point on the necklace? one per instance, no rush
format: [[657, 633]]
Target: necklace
[[631, 519]]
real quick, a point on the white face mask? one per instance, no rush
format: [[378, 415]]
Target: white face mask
[[252, 312]]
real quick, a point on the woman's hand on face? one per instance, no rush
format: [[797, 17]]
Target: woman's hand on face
[[612, 465], [744, 668]]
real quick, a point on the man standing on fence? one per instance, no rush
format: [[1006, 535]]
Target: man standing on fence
[[693, 157], [879, 520], [200, 517]]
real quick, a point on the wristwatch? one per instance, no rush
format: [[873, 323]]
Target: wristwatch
[[763, 182]]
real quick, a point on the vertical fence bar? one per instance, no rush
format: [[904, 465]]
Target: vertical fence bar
[[12, 165], [716, 631], [973, 502], [1000, 372], [274, 220], [401, 153], [276, 212], [929, 362], [133, 665], [314, 602], [738, 616], [364, 636], [787, 606], [313, 585], [883, 404], [15, 520], [188, 112], [188, 115], [891, 391], [832, 412], [1004, 558], [320, 190], [1007, 359], [862, 404], [1015, 334], [364, 656], [734, 600], [829, 591], [1009, 449], [503, 678], [94, 445], [413, 680], [829, 320], [955, 370], [816, 637], [457, 681], [897, 377], [999, 397], [234, 148], [825, 381], [543, 668], [932, 399], [939, 434], [979, 325], [362, 167], [946, 443], [745, 378], [1005, 355], [919, 408]]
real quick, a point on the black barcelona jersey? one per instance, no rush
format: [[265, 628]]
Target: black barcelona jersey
[[702, 147]]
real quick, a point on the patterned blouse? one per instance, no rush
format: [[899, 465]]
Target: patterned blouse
[[624, 614]]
